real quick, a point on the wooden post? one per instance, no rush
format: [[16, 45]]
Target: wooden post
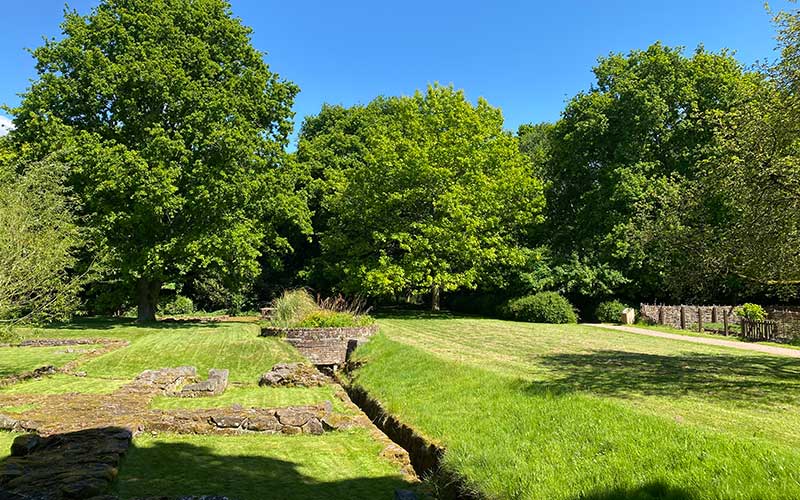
[[683, 317], [661, 315], [700, 319], [725, 322], [714, 314]]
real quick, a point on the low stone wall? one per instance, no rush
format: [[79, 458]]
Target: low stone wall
[[671, 315], [323, 346]]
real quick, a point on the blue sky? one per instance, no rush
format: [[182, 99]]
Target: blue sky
[[526, 57]]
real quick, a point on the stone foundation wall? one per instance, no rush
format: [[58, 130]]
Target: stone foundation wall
[[324, 346]]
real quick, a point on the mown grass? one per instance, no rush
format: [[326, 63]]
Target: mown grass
[[65, 384], [14, 360], [709, 335], [256, 397], [567, 412], [235, 346], [341, 465]]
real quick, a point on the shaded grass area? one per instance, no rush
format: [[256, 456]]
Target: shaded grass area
[[568, 412], [15, 360], [341, 465], [709, 335], [256, 397], [64, 384]]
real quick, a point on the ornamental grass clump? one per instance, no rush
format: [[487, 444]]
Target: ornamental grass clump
[[297, 308], [292, 306]]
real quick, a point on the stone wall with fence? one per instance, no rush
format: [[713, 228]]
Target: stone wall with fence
[[691, 316]]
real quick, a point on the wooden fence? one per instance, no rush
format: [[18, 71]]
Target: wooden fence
[[760, 330]]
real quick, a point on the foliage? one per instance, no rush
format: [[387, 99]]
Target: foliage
[[177, 305], [543, 307], [609, 311], [432, 195], [324, 318], [644, 125], [38, 242], [753, 312], [292, 306], [356, 306], [173, 127]]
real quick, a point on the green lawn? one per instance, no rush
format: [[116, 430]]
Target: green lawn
[[567, 412], [341, 465], [235, 346], [15, 360], [6, 438], [63, 384]]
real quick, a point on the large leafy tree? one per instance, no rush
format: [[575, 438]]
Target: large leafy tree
[[734, 228], [433, 195], [173, 127], [646, 125]]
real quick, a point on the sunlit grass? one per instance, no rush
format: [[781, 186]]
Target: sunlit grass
[[14, 360], [567, 412]]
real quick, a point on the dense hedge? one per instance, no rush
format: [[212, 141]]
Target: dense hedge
[[609, 311], [543, 307]]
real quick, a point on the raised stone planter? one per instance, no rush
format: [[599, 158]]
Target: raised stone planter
[[323, 346]]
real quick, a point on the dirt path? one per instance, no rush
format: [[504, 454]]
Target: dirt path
[[744, 346]]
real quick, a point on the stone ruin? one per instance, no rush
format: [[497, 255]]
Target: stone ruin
[[293, 375], [76, 465], [215, 385]]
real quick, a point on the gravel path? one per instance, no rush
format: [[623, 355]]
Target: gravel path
[[744, 346]]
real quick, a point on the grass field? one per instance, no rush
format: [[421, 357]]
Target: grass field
[[14, 360], [341, 465], [337, 465], [573, 412]]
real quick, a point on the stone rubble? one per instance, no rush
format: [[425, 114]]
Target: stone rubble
[[293, 375], [215, 385]]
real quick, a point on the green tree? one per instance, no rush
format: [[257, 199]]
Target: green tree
[[173, 127], [436, 195], [646, 125], [38, 242]]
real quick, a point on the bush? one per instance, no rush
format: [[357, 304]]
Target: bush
[[292, 306], [325, 318], [753, 312], [543, 307], [178, 305], [609, 311]]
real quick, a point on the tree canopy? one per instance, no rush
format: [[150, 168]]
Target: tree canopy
[[174, 129], [432, 193]]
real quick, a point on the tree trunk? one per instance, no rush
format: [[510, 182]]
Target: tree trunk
[[435, 298], [147, 299]]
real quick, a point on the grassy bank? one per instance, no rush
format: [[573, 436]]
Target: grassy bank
[[568, 412]]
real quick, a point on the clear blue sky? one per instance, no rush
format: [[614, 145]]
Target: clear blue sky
[[526, 57]]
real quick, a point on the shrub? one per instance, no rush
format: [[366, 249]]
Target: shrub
[[178, 305], [609, 311], [324, 318], [292, 306], [543, 307], [753, 312]]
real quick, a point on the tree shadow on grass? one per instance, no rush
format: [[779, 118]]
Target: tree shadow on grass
[[763, 380], [179, 469], [650, 491], [169, 469]]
